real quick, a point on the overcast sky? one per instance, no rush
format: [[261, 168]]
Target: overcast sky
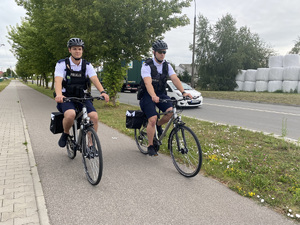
[[277, 22]]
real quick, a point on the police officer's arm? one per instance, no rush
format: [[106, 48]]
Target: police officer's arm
[[99, 87], [58, 89], [150, 89], [179, 86]]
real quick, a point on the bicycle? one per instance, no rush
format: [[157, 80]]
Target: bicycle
[[183, 143], [85, 141]]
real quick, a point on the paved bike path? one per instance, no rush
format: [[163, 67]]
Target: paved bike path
[[135, 189], [21, 194]]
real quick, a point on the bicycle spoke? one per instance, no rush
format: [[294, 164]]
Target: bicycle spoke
[[89, 144], [141, 139], [92, 156], [186, 151]]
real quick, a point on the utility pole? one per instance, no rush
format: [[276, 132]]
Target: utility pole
[[193, 58]]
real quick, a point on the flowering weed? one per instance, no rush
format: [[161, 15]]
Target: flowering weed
[[252, 163]]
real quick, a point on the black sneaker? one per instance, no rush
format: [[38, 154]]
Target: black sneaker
[[159, 130], [63, 140], [151, 151]]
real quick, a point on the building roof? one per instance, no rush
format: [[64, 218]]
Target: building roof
[[182, 67]]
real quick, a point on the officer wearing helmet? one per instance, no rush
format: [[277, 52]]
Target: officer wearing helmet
[[155, 72], [72, 79]]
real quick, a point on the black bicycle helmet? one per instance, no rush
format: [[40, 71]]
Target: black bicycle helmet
[[159, 45], [75, 42]]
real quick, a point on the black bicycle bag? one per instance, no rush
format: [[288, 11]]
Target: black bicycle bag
[[135, 119], [56, 125]]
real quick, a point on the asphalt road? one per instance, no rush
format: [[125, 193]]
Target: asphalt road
[[135, 189], [269, 118]]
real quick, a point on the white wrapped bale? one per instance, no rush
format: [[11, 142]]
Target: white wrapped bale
[[291, 73], [262, 74], [240, 85], [250, 75], [274, 85], [261, 86], [276, 61], [276, 73], [249, 86], [289, 86], [291, 60], [240, 76]]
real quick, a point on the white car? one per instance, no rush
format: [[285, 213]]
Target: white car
[[174, 93]]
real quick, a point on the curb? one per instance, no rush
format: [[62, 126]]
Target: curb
[[39, 195]]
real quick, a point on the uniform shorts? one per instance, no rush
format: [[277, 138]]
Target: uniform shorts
[[149, 107], [62, 107]]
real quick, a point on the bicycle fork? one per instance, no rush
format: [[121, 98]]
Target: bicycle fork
[[181, 146]]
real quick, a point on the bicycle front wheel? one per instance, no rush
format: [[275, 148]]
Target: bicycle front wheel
[[186, 151], [141, 139], [71, 145], [92, 156]]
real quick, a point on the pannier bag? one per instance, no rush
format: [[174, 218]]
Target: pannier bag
[[56, 125], [135, 119]]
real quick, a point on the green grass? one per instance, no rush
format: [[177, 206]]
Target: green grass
[[261, 97], [255, 165], [3, 84]]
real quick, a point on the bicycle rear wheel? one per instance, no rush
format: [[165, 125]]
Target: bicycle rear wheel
[[186, 151], [71, 145], [141, 139], [92, 156]]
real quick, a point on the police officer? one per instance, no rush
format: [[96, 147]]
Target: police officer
[[72, 78], [155, 73]]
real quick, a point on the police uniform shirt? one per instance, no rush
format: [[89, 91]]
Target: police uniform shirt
[[146, 70], [60, 69]]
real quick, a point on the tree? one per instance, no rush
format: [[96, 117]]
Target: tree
[[204, 51], [222, 50], [185, 76], [22, 71], [130, 28], [9, 73], [113, 30], [29, 48], [296, 48], [252, 51], [226, 59]]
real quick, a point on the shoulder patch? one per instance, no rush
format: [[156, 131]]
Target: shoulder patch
[[61, 60]]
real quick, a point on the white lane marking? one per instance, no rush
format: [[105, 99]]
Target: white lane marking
[[258, 110]]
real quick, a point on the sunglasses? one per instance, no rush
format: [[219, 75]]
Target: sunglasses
[[162, 52]]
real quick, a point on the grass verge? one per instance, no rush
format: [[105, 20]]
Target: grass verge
[[260, 97], [253, 164], [4, 84]]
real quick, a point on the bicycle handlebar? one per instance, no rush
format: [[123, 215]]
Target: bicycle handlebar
[[75, 99]]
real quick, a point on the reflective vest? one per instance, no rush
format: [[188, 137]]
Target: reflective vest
[[159, 81], [76, 81]]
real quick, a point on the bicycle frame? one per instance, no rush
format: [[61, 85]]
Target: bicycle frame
[[84, 121], [86, 141], [183, 143], [78, 135], [173, 118]]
